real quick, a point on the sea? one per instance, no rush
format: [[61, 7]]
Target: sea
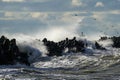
[[92, 64]]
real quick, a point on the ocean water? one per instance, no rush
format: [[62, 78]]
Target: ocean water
[[91, 65]]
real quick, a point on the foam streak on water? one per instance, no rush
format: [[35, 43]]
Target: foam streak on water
[[92, 64]]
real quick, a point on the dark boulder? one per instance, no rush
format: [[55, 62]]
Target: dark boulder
[[10, 54], [57, 48], [116, 41], [98, 46]]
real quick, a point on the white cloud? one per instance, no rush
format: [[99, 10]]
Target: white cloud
[[77, 3], [99, 4], [13, 0], [39, 0], [7, 18], [26, 15], [99, 16], [8, 14], [38, 15], [107, 12], [25, 0], [15, 15], [70, 18], [115, 12]]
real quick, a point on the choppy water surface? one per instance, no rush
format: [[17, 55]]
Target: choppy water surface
[[75, 66], [91, 65]]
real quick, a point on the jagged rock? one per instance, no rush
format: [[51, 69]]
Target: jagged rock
[[57, 49], [9, 52], [116, 41], [98, 46]]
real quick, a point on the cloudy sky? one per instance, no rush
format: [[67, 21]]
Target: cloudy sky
[[60, 17]]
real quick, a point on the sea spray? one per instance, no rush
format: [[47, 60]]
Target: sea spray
[[34, 48]]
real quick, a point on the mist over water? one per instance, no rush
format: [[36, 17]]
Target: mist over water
[[51, 32], [55, 33]]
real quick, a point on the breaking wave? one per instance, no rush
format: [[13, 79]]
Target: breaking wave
[[90, 61]]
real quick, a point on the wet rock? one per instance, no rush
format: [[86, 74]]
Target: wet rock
[[10, 54]]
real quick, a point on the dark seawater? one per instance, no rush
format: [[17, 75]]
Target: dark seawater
[[91, 65]]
